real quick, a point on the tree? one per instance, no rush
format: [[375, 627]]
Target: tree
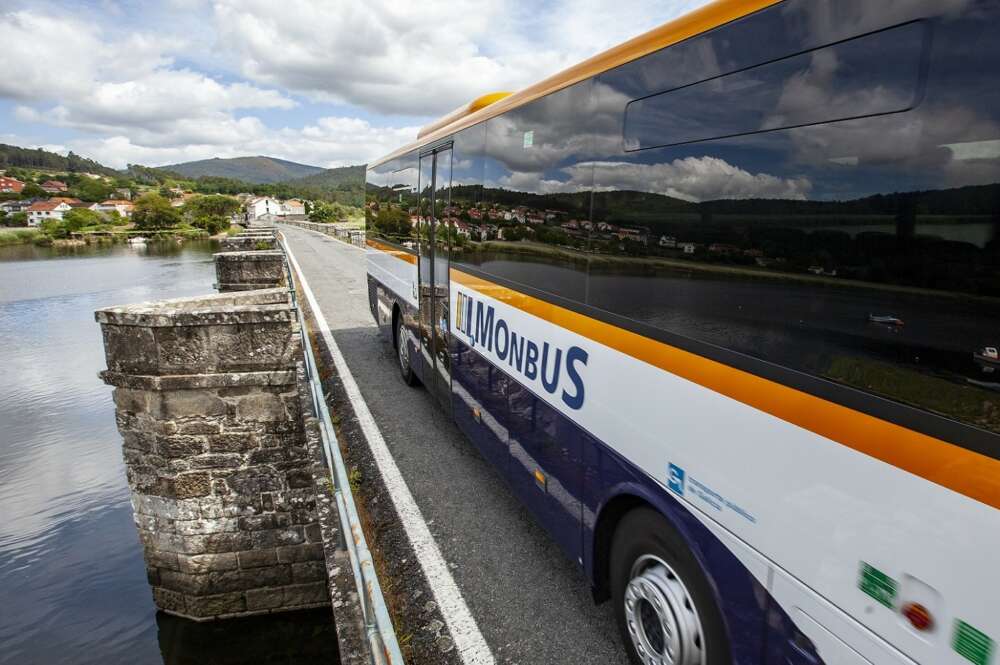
[[214, 205], [32, 191], [90, 189], [78, 218], [152, 211], [16, 219]]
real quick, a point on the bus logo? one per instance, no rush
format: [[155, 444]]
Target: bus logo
[[675, 481]]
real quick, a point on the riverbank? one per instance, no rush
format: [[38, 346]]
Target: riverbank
[[29, 235]]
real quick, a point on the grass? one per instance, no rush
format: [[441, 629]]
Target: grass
[[19, 236], [964, 403]]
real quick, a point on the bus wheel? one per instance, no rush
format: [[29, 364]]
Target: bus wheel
[[403, 354], [663, 603]]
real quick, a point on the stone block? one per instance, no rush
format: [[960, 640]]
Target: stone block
[[232, 443], [300, 553], [308, 571], [217, 461], [257, 558], [261, 407], [199, 564], [264, 599], [170, 601], [191, 403], [188, 485], [216, 605], [312, 593], [176, 446]]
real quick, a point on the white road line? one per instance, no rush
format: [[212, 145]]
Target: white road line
[[464, 631]]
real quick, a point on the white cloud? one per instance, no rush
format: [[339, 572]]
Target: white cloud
[[144, 87], [422, 58], [696, 179], [330, 141]]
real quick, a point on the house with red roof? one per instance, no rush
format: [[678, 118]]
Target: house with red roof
[[55, 186], [10, 185], [45, 210]]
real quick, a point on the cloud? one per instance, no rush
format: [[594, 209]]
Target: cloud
[[690, 179], [330, 141], [426, 58]]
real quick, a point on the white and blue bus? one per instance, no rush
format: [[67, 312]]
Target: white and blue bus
[[722, 305]]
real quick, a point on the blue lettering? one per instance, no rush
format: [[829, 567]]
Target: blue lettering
[[502, 325], [531, 361], [550, 386], [516, 351], [575, 355], [484, 326]]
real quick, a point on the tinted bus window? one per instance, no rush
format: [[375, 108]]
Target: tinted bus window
[[868, 75], [863, 251], [391, 200], [532, 222]]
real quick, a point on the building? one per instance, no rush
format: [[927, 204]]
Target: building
[[10, 185], [293, 207], [668, 241], [55, 186], [263, 205], [45, 210], [123, 194], [10, 207], [120, 206]]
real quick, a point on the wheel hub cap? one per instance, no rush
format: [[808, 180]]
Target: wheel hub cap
[[661, 616]]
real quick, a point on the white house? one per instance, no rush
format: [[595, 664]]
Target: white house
[[43, 210], [293, 207], [122, 207], [263, 205]]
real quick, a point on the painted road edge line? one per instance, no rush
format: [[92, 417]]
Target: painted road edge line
[[469, 641]]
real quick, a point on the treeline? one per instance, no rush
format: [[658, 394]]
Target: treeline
[[36, 158], [347, 186]]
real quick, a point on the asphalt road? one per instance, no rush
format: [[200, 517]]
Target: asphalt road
[[531, 604]]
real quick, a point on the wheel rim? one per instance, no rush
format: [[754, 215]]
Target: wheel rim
[[403, 351], [661, 616]]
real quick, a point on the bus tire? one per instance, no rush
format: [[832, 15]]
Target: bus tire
[[403, 354], [664, 605]]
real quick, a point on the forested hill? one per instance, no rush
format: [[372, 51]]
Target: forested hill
[[36, 158], [257, 170], [349, 181]]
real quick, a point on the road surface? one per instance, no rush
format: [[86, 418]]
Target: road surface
[[530, 603]]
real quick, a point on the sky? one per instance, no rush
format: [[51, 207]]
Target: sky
[[324, 82]]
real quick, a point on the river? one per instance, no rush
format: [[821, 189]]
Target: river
[[72, 580]]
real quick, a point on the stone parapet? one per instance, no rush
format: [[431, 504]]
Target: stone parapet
[[242, 271], [249, 242], [208, 401]]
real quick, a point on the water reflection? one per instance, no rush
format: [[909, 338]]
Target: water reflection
[[72, 581]]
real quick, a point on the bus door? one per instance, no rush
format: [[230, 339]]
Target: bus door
[[434, 284]]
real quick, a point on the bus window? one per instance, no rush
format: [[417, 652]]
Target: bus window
[[862, 252], [532, 224]]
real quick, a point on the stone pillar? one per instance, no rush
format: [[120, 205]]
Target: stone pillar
[[208, 404], [242, 271]]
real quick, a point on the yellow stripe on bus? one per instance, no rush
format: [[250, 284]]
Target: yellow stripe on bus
[[389, 249], [964, 471]]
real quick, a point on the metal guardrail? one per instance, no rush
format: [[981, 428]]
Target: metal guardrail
[[342, 231], [382, 642]]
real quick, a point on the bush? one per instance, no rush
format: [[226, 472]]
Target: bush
[[16, 219], [77, 218], [212, 223]]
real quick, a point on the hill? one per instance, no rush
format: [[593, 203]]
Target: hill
[[344, 183], [36, 158], [257, 170]]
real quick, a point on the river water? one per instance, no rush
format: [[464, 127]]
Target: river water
[[72, 581]]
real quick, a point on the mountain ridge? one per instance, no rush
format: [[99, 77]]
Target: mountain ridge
[[258, 169]]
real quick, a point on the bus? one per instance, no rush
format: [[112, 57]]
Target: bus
[[715, 303]]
